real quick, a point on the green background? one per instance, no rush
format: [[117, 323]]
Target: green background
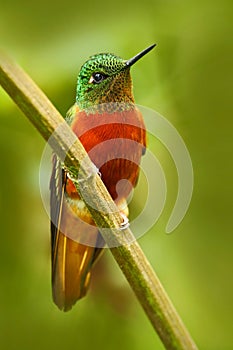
[[187, 79]]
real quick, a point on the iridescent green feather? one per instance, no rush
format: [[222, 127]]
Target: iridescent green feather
[[116, 87]]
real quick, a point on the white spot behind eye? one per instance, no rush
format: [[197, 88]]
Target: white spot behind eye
[[91, 80]]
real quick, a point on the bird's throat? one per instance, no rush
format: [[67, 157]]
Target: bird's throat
[[115, 95]]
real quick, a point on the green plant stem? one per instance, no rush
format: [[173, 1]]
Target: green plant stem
[[130, 258]]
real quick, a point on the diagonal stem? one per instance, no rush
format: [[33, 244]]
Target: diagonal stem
[[130, 258]]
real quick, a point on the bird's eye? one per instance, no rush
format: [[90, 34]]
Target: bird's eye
[[96, 78]]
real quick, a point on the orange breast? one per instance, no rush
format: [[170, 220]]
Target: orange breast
[[115, 143]]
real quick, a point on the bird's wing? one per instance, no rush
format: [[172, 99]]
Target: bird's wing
[[71, 260]]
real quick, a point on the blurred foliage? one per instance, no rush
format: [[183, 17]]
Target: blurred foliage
[[188, 80]]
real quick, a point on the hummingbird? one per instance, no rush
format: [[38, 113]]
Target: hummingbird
[[111, 129]]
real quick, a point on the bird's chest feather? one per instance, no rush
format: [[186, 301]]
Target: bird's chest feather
[[115, 143]]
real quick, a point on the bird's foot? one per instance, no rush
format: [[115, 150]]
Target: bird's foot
[[92, 171], [125, 223]]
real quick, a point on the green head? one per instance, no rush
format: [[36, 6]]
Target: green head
[[105, 78]]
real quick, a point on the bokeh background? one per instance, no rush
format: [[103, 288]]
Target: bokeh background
[[187, 78]]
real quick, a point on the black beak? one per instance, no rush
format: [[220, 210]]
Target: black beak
[[134, 59]]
